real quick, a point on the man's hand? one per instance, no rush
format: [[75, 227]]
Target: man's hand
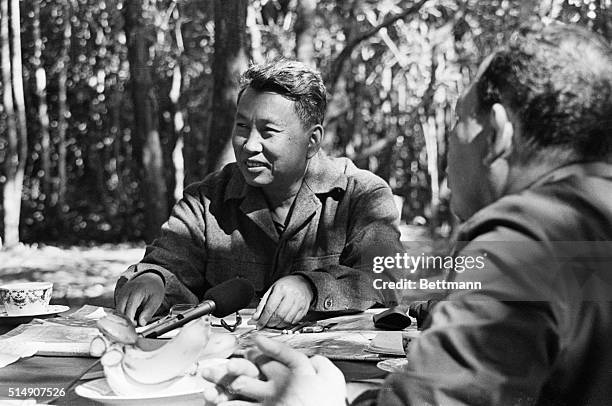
[[291, 378], [140, 297], [285, 303]]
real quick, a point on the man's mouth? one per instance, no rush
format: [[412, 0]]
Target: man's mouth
[[255, 164]]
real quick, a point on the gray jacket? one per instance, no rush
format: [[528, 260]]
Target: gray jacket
[[222, 228]]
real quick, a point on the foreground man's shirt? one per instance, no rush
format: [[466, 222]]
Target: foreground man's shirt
[[222, 228], [539, 330]]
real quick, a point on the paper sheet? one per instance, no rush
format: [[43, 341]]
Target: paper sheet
[[12, 350], [48, 339], [66, 336]]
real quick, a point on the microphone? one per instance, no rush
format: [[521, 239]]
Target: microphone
[[220, 301]]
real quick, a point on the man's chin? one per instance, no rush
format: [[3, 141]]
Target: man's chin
[[255, 181]]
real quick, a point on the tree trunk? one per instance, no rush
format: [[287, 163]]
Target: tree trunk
[[230, 60], [16, 67], [43, 115], [253, 28], [146, 140], [430, 133], [14, 163], [11, 160], [176, 154], [304, 31], [431, 147], [63, 113]]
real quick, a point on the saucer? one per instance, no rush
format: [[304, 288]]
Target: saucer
[[99, 391], [25, 318]]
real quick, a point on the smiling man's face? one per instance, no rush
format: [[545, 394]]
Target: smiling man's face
[[270, 142]]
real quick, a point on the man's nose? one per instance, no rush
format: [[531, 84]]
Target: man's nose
[[253, 141]]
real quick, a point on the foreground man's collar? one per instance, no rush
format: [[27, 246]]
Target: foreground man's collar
[[594, 168]]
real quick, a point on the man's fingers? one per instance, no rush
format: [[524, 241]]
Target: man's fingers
[[148, 308], [233, 367], [274, 370], [251, 388], [284, 309], [269, 309], [237, 376], [214, 394], [286, 355], [262, 304], [300, 315], [324, 367], [133, 303], [121, 301], [254, 355], [292, 315]]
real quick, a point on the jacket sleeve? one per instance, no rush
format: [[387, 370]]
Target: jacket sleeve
[[373, 231], [490, 346], [179, 254]]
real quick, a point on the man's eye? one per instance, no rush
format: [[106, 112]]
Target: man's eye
[[241, 125]]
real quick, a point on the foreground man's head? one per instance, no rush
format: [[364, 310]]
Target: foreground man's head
[[543, 101]]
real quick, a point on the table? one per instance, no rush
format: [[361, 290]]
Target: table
[[57, 373]]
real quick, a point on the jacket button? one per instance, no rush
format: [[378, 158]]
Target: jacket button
[[329, 303]]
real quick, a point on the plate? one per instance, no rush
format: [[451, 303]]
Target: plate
[[99, 391], [25, 318]]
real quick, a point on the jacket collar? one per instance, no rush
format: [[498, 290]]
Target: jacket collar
[[323, 175], [326, 174], [597, 169]]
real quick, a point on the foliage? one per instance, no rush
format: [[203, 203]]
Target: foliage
[[391, 109]]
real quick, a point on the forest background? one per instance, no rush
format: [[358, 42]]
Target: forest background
[[110, 107]]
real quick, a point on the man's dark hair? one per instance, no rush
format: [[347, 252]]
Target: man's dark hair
[[558, 80], [293, 80]]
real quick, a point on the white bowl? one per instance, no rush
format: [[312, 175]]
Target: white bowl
[[26, 298]]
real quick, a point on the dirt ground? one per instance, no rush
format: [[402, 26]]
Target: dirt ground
[[79, 274], [87, 274]]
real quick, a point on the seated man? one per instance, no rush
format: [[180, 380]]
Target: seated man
[[294, 222], [529, 165]]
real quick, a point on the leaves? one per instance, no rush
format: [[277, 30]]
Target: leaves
[[397, 68]]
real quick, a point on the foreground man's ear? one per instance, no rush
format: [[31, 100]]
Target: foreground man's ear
[[314, 140], [500, 144]]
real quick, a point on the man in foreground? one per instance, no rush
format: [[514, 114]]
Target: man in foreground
[[295, 223], [529, 169]]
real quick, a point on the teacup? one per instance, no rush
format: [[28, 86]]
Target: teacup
[[27, 298]]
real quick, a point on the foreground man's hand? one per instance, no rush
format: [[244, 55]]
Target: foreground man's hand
[[140, 297], [285, 303], [291, 378]]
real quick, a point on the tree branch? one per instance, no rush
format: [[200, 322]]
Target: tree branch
[[425, 103], [338, 63]]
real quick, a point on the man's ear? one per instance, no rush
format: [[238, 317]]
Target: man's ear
[[314, 140], [500, 144]]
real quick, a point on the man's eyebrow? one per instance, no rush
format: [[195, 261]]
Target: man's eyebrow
[[239, 115], [269, 121]]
